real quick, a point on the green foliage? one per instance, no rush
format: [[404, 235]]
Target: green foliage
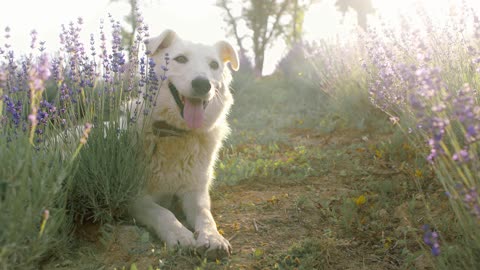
[[338, 72], [244, 78], [111, 171], [308, 254], [257, 161], [349, 215], [34, 222], [273, 104], [337, 82]]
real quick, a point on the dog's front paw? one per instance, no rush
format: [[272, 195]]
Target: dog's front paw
[[181, 237], [212, 245]]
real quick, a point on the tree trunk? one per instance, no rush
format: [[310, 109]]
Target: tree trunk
[[259, 58]]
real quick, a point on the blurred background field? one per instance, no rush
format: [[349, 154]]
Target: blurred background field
[[353, 150]]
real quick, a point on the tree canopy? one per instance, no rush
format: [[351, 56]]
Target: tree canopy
[[266, 21]]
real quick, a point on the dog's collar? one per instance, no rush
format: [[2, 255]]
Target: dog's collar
[[176, 96], [164, 129]]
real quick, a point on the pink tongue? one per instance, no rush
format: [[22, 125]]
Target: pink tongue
[[193, 112]]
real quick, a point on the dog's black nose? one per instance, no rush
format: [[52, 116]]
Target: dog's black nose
[[201, 86]]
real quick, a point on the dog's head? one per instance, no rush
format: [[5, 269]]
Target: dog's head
[[196, 93]]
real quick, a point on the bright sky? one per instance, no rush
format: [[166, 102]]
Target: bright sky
[[197, 20]]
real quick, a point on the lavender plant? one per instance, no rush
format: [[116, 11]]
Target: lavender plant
[[335, 70], [426, 77], [68, 145]]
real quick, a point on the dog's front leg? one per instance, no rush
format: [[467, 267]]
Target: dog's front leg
[[162, 222], [196, 206]]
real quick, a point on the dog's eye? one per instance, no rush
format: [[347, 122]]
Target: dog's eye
[[214, 65], [182, 59]]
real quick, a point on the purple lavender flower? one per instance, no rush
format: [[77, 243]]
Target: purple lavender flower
[[14, 109], [431, 239], [142, 80], [73, 72], [118, 58], [33, 42], [152, 76], [461, 156], [467, 113], [470, 200], [42, 46], [7, 33], [437, 131]]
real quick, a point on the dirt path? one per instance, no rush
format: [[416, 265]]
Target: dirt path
[[271, 218], [318, 222]]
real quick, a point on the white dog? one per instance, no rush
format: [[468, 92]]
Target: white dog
[[186, 129]]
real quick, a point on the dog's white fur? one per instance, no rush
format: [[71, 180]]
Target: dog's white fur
[[183, 166]]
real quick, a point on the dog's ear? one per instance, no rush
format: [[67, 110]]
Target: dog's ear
[[162, 41], [228, 54]]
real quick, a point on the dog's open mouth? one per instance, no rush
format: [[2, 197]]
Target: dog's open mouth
[[191, 109]]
